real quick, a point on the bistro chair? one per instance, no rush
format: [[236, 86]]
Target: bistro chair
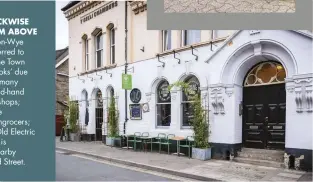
[[134, 139], [145, 141], [188, 144], [157, 140], [166, 141]]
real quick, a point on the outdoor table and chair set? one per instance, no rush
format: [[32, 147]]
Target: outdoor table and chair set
[[144, 140]]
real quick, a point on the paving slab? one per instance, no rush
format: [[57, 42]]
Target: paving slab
[[180, 166], [229, 6]]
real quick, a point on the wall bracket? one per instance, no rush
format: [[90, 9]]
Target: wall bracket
[[83, 80], [163, 63], [176, 57], [192, 48]]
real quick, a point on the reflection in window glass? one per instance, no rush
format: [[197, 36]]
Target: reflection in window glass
[[163, 106]]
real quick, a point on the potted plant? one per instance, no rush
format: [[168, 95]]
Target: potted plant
[[113, 132], [201, 148], [71, 118]]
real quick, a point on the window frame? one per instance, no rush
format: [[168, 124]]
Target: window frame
[[157, 104], [86, 54], [183, 102], [166, 40], [100, 49], [184, 38], [112, 45]]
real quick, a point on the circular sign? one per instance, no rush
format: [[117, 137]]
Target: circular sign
[[164, 93], [193, 89], [135, 95]]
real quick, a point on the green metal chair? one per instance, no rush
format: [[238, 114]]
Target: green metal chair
[[157, 140], [166, 141], [188, 144], [145, 142], [134, 139]]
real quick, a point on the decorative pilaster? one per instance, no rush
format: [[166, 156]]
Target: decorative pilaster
[[217, 100], [301, 86]]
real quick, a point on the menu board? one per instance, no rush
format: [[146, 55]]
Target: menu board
[[135, 111]]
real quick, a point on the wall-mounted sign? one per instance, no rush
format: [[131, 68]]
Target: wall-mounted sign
[[145, 107], [163, 92], [98, 12], [135, 95], [126, 81], [135, 111]]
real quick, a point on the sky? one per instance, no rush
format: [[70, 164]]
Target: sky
[[61, 25]]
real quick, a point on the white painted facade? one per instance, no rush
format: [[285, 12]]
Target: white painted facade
[[220, 69]]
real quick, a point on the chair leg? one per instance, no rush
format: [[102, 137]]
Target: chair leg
[[168, 149], [159, 148]]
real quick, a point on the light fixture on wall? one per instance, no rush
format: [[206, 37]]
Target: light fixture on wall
[[176, 57], [143, 49], [99, 75], [106, 71], [89, 77], [192, 48], [163, 63], [83, 80]]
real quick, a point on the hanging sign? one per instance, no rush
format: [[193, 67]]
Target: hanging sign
[[135, 95], [135, 111], [126, 81]]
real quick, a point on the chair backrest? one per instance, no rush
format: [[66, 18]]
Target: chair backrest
[[137, 134], [161, 135], [169, 136], [190, 139], [145, 134]]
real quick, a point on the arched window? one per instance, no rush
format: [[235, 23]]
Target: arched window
[[265, 73], [86, 52], [111, 30], [110, 94], [187, 107], [163, 104]]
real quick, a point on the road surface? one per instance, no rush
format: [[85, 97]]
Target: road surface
[[80, 168]]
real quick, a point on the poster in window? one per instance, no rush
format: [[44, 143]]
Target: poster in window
[[135, 111]]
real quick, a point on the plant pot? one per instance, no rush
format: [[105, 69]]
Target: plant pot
[[201, 154], [109, 141], [74, 137]]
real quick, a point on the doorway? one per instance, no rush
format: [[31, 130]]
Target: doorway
[[99, 115], [264, 107]]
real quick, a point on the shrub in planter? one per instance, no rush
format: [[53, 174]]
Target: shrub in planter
[[113, 130], [201, 147], [70, 116]]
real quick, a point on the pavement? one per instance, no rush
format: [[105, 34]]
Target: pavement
[[78, 168], [182, 166], [229, 6]]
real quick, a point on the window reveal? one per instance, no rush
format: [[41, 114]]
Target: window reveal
[[187, 107], [163, 105]]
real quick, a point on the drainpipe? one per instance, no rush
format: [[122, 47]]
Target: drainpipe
[[126, 65]]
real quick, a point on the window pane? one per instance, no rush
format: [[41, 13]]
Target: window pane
[[164, 94], [168, 40], [99, 42], [193, 36], [113, 54], [163, 114], [112, 36], [187, 113], [99, 59]]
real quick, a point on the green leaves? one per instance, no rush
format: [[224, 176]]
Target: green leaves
[[112, 119], [70, 115], [199, 121]]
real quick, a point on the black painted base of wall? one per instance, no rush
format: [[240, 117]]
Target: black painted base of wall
[[104, 139], [307, 161], [223, 150]]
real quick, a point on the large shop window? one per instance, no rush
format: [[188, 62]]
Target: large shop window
[[112, 45], [86, 55], [166, 40], [99, 50], [187, 107], [163, 105], [190, 37]]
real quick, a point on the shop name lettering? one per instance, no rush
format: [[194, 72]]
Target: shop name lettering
[[16, 31], [98, 12]]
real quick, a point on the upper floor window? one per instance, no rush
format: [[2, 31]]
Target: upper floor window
[[187, 102], [86, 54], [163, 104], [190, 37], [99, 50], [112, 44], [166, 40]]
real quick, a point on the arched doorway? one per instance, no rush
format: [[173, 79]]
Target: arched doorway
[[264, 106], [99, 115]]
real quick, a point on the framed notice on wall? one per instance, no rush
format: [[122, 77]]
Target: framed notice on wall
[[135, 111]]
